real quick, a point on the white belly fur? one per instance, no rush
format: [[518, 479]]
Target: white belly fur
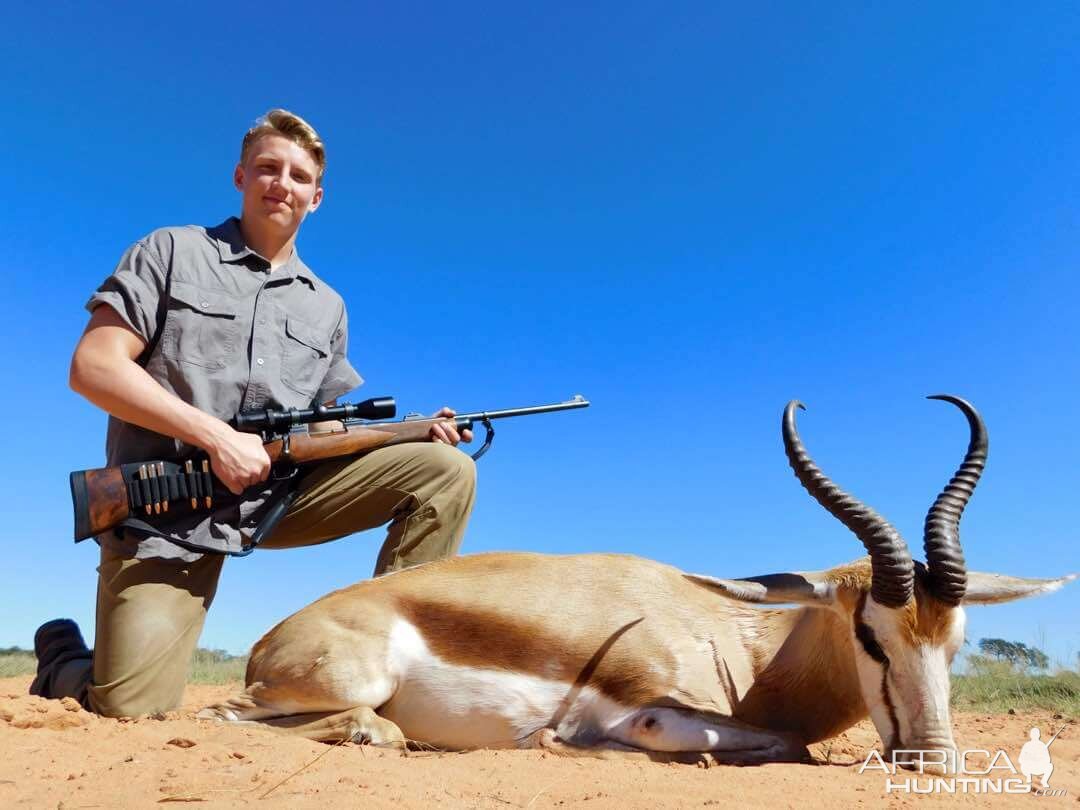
[[460, 707]]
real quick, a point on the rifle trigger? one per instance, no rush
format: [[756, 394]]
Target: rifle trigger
[[285, 473], [284, 462]]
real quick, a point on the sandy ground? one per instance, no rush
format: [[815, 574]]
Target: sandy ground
[[55, 755]]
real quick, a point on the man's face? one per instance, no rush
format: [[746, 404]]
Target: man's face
[[277, 181]]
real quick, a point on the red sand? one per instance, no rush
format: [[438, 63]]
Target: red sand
[[55, 755]]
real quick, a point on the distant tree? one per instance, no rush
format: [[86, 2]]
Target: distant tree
[[1000, 649], [1036, 658], [1015, 653]]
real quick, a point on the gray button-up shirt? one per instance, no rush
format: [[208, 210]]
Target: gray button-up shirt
[[234, 335]]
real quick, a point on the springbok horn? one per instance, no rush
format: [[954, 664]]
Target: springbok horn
[[941, 535], [890, 561]]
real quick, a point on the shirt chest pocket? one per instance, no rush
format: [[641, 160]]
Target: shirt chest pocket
[[202, 327], [305, 357]]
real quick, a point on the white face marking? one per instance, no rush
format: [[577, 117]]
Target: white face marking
[[908, 695]]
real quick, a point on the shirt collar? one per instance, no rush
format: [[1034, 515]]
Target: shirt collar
[[232, 248]]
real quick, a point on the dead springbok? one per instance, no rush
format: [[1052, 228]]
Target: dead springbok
[[614, 652]]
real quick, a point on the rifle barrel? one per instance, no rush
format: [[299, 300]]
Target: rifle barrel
[[577, 402], [464, 420]]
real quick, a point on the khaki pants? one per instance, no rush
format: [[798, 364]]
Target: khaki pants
[[150, 612]]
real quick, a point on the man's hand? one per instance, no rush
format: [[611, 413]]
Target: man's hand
[[105, 371], [447, 433], [238, 459]]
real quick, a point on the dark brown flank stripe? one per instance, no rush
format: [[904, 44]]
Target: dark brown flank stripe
[[491, 640]]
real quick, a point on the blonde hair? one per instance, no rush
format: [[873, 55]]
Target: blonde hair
[[291, 126]]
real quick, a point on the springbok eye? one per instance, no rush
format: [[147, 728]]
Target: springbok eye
[[870, 644]]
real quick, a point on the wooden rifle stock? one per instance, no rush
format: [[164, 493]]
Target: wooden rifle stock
[[105, 497], [301, 448], [100, 499]]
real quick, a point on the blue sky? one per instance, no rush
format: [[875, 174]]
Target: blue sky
[[689, 214]]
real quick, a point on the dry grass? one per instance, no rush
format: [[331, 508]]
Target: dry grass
[[215, 667], [996, 686], [207, 666], [17, 662]]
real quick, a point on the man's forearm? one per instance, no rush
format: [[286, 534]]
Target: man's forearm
[[122, 387]]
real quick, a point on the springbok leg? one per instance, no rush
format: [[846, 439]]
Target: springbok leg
[[360, 724], [680, 735]]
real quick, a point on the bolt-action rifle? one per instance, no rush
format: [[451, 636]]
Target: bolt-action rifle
[[104, 498]]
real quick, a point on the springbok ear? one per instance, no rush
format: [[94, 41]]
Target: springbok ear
[[810, 588], [989, 589]]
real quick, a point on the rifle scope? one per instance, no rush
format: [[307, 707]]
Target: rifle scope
[[275, 421]]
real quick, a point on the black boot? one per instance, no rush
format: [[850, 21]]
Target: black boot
[[56, 643]]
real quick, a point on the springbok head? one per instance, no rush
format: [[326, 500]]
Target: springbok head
[[906, 618]]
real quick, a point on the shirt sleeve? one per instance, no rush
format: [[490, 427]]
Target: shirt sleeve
[[134, 289], [341, 377]]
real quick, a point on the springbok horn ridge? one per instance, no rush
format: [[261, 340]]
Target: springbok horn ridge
[[941, 534], [890, 560]]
